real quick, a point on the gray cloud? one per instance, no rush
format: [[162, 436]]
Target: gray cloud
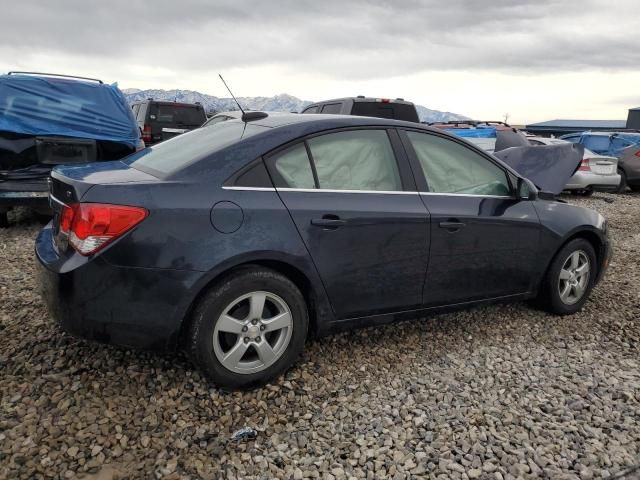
[[351, 40]]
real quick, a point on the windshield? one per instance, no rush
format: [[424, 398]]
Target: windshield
[[179, 152]]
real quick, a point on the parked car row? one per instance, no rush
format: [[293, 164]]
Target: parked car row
[[625, 146], [612, 168]]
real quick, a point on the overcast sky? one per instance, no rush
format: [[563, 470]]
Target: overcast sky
[[533, 59]]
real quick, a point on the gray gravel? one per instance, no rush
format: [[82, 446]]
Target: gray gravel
[[500, 392]]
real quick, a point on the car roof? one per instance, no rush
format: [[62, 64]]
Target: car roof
[[327, 121], [161, 102], [361, 99]]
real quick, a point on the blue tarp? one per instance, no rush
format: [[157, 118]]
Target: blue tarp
[[49, 106], [476, 132]]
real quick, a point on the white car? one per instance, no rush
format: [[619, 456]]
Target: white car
[[596, 172]]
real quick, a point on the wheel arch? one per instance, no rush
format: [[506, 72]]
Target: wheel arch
[[315, 300], [590, 235]]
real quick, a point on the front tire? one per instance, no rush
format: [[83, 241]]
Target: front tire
[[248, 329], [569, 279]]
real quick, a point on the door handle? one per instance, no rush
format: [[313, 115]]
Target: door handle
[[328, 221], [452, 226]]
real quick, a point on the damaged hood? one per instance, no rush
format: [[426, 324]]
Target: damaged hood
[[549, 167]]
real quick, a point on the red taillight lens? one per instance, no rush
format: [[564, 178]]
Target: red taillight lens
[[92, 226], [66, 218], [584, 165], [146, 134], [637, 154]]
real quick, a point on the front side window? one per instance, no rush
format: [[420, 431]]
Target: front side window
[[313, 109], [355, 160], [452, 168]]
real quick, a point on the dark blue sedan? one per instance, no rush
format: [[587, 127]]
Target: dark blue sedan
[[236, 241]]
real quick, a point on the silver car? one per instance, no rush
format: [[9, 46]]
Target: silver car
[[596, 172]]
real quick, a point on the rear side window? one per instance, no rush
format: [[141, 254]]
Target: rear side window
[[398, 111], [292, 168], [333, 108], [179, 152], [186, 115], [355, 160], [572, 138], [455, 169], [596, 143]]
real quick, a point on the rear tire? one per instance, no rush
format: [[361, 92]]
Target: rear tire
[[4, 220], [622, 186], [231, 338], [565, 287], [635, 188]]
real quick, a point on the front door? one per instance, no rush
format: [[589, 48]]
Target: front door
[[484, 240], [367, 235]]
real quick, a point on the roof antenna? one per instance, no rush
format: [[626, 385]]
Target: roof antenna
[[246, 116], [232, 96]]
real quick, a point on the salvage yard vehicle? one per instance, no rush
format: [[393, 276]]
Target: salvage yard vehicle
[[236, 241], [160, 121], [625, 146], [48, 120], [398, 109], [595, 173]]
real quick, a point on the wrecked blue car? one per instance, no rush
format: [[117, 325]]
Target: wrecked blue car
[[48, 120]]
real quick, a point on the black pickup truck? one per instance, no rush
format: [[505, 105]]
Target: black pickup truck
[[398, 109]]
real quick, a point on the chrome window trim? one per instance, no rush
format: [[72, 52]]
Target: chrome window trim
[[329, 190], [473, 195], [255, 189], [384, 192]]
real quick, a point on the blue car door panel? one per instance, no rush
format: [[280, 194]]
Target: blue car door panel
[[367, 235]]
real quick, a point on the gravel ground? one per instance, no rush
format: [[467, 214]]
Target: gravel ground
[[499, 392]]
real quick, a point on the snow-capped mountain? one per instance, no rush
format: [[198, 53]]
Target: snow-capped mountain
[[277, 103]]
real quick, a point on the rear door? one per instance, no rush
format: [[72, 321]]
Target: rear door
[[484, 240], [353, 200]]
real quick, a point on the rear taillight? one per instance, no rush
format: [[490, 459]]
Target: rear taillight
[[637, 154], [92, 226], [146, 134], [584, 165]]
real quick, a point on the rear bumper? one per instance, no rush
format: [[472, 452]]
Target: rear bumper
[[92, 299], [583, 180], [24, 193]]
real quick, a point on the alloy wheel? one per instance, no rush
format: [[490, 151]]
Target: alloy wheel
[[252, 332], [574, 277]]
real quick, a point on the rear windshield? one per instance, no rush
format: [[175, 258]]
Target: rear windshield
[[397, 111], [172, 155], [186, 115]]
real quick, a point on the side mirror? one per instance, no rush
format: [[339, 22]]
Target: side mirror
[[527, 190]]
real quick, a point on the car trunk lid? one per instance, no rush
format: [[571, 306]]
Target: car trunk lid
[[68, 185]]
